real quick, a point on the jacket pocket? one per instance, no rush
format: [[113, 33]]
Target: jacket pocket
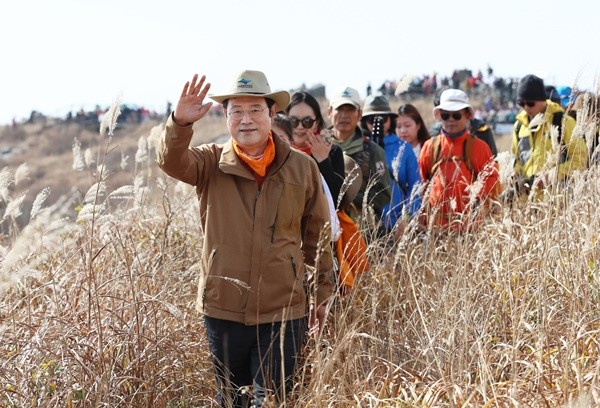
[[227, 279]]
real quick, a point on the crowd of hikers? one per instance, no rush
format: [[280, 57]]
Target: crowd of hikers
[[288, 193], [444, 178]]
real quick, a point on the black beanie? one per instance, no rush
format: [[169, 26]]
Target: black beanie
[[531, 88]]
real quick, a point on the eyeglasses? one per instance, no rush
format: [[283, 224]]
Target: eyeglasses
[[522, 104], [371, 118], [307, 122], [455, 115], [238, 114]]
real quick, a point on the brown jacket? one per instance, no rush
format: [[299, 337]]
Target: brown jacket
[[256, 242]]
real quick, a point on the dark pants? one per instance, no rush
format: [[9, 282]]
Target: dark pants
[[253, 355]]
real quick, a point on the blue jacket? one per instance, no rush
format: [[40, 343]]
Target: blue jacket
[[404, 171]]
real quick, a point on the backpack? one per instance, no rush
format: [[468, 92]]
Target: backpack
[[436, 151], [434, 164], [351, 252]]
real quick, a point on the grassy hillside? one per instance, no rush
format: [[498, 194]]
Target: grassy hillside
[[98, 294]]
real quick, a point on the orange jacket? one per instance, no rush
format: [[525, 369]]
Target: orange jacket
[[451, 180]]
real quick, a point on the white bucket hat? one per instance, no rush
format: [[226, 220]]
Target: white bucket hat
[[453, 100], [253, 83]]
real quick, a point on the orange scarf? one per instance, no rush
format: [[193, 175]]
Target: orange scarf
[[258, 165], [306, 150]]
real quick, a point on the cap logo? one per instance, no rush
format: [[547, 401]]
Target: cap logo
[[346, 93], [245, 83]]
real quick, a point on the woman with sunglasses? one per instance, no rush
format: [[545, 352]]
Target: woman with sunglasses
[[411, 128], [304, 113], [307, 120], [380, 121]]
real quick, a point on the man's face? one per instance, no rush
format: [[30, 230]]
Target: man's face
[[533, 107], [454, 121], [249, 122], [345, 118]]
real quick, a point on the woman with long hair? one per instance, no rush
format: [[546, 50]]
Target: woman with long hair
[[307, 120], [411, 128]]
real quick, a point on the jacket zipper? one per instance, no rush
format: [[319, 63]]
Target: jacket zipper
[[294, 266], [210, 261]]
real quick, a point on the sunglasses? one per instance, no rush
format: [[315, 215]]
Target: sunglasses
[[370, 119], [307, 122], [454, 115], [528, 103]]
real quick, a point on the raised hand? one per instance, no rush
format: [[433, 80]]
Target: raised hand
[[191, 106], [319, 147]]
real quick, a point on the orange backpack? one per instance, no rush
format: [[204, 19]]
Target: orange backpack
[[436, 160], [351, 251]]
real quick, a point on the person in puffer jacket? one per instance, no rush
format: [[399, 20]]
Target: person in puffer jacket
[[542, 156]]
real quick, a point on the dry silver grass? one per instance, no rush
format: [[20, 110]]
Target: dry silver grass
[[126, 339], [78, 159], [21, 174], [504, 316], [13, 208], [38, 202], [109, 120], [507, 315], [5, 181], [141, 155]]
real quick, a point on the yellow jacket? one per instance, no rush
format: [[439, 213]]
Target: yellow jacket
[[533, 147]]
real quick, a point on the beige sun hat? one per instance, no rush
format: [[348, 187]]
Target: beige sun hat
[[253, 83]]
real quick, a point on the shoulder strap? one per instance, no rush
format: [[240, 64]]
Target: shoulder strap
[[557, 120], [366, 146], [468, 151], [435, 156], [367, 150]]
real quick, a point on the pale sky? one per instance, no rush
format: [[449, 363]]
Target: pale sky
[[62, 55]]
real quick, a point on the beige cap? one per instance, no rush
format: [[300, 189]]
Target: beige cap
[[349, 96]]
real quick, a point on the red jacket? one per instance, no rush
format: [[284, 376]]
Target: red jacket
[[450, 184]]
